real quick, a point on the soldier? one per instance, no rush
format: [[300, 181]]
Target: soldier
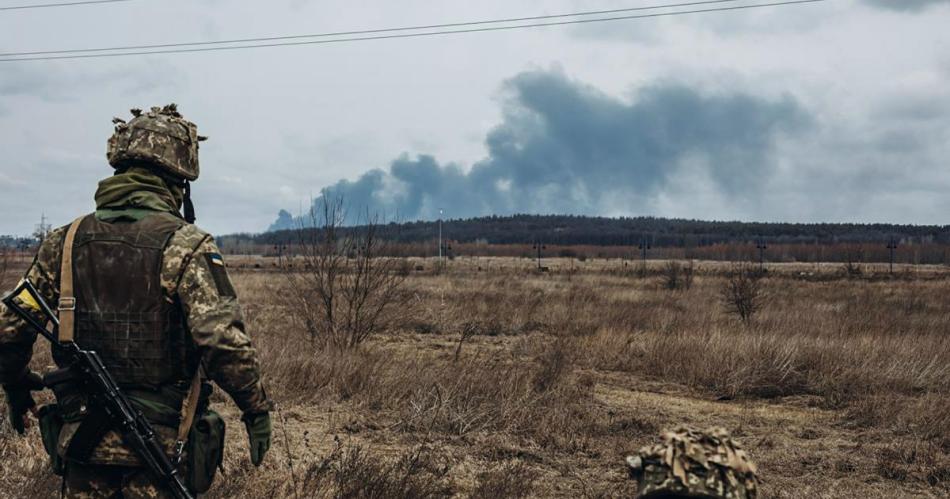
[[695, 464], [149, 292]]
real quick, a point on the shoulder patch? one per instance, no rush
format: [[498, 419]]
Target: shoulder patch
[[220, 274]]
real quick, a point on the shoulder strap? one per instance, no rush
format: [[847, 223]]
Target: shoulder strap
[[67, 298]]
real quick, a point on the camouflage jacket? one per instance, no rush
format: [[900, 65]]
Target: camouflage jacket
[[214, 321]]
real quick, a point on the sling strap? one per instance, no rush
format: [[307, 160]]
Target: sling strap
[[188, 409], [67, 297]]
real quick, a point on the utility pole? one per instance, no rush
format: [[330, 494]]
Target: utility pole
[[279, 248], [447, 249], [761, 246], [440, 238], [538, 246], [891, 246], [42, 229], [644, 246]]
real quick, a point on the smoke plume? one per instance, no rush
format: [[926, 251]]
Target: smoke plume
[[566, 147]]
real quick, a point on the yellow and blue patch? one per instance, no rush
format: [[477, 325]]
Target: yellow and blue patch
[[219, 274]]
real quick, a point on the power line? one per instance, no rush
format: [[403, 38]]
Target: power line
[[65, 4], [366, 31], [412, 35]]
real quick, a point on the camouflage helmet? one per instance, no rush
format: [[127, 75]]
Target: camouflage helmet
[[160, 137], [690, 463]]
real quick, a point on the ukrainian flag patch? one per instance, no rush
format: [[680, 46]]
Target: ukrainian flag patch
[[219, 274]]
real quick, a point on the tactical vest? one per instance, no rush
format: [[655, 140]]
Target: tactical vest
[[121, 310]]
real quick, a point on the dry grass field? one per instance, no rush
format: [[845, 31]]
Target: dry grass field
[[505, 382]]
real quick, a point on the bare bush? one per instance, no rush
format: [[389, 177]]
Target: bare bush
[[678, 276], [743, 292], [345, 290], [554, 365]]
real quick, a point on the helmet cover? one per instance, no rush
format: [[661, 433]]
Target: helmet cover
[[161, 137], [691, 463]]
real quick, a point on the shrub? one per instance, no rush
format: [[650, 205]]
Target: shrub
[[743, 292], [677, 275], [347, 291]]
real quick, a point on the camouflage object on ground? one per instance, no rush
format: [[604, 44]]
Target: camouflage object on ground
[[690, 463], [161, 137]]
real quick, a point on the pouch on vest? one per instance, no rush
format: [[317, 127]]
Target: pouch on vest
[[51, 423], [205, 450]]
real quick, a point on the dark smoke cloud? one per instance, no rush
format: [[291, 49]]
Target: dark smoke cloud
[[906, 5], [566, 147]]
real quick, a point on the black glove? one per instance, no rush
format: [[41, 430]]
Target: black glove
[[258, 432], [20, 400]]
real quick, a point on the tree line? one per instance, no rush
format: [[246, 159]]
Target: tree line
[[573, 230]]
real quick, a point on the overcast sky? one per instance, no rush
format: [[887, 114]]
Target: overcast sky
[[836, 111]]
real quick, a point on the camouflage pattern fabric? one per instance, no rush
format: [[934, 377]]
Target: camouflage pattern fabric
[[214, 316], [16, 340], [134, 193], [214, 319], [691, 463], [159, 137], [84, 481], [111, 450]]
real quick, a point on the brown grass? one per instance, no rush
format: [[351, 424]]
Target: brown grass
[[845, 381]]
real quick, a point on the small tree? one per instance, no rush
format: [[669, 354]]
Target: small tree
[[345, 287], [743, 292]]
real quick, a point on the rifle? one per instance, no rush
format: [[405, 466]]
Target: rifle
[[101, 388]]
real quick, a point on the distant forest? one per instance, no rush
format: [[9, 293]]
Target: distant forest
[[16, 242], [568, 230]]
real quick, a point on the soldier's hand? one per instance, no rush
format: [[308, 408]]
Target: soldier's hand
[[20, 400], [258, 432]]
